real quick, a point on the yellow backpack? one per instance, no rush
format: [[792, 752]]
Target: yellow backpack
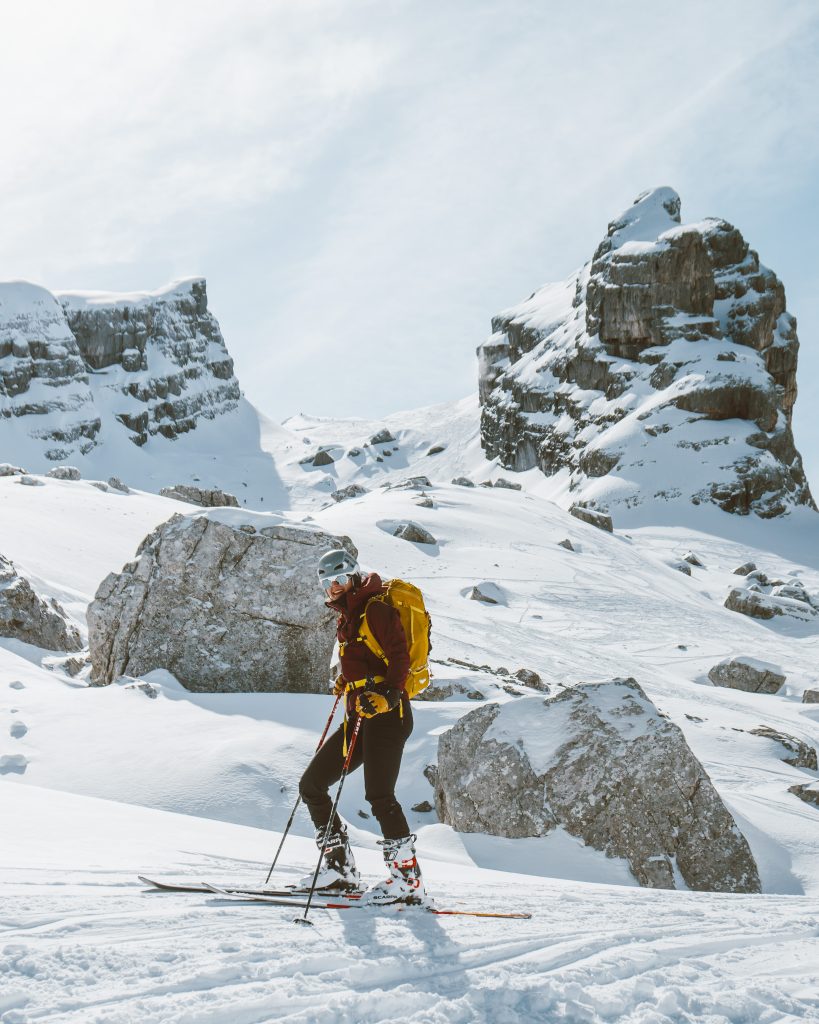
[[408, 601]]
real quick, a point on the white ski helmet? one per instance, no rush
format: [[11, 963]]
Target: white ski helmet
[[337, 565]]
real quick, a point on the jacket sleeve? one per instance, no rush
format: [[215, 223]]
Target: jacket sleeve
[[385, 622]]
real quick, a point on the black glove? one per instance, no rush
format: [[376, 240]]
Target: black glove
[[370, 703]]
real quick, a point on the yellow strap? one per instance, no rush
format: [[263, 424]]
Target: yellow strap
[[358, 684]]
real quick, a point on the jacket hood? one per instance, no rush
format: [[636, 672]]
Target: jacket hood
[[349, 603]]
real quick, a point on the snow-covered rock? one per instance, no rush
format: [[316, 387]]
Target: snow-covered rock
[[759, 603], [163, 356], [64, 473], [225, 600], [26, 616], [593, 517], [202, 496], [80, 367], [601, 762], [749, 674], [662, 370], [798, 753]]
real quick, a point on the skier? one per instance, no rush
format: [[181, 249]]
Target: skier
[[374, 689]]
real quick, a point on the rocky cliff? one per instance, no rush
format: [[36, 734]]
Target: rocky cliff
[[662, 370], [79, 368]]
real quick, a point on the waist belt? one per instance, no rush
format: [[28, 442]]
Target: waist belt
[[360, 684]]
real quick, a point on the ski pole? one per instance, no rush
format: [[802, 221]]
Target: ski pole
[[344, 771], [298, 798]]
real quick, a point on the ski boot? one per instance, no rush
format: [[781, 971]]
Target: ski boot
[[405, 884], [338, 871]]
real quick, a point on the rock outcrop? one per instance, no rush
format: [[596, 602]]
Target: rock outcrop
[[797, 753], [600, 761], [663, 370], [202, 496], [225, 600], [748, 674], [24, 615], [78, 367]]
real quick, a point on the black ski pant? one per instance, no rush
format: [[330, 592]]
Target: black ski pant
[[379, 747]]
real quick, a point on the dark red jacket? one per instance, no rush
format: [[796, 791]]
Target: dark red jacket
[[357, 660]]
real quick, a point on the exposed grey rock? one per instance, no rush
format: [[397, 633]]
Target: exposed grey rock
[[323, 458], [600, 761], [73, 666], [425, 502], [436, 449], [414, 532], [431, 774], [800, 754], [668, 329], [567, 544], [64, 473], [6, 469], [382, 437], [463, 481], [809, 792], [594, 518], [682, 567], [745, 568], [810, 697], [424, 807], [692, 559], [26, 616], [31, 481], [530, 678], [204, 497], [222, 609], [438, 690], [488, 593], [354, 453], [508, 484], [116, 484], [351, 491], [747, 674], [142, 687], [101, 485]]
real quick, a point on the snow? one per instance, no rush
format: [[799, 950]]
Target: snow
[[100, 784], [83, 942], [90, 299]]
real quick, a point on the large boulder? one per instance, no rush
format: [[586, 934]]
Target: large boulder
[[749, 674], [600, 761], [26, 616], [225, 600]]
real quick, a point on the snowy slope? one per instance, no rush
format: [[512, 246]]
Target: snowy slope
[[192, 783], [82, 944]]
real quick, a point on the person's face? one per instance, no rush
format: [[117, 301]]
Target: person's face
[[337, 589]]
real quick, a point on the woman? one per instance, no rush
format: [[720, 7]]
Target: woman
[[374, 691]]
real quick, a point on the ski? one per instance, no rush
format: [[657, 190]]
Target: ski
[[294, 890], [354, 903]]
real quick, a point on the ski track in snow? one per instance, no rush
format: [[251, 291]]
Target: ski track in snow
[[595, 955]]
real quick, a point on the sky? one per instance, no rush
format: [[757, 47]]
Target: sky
[[364, 184]]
